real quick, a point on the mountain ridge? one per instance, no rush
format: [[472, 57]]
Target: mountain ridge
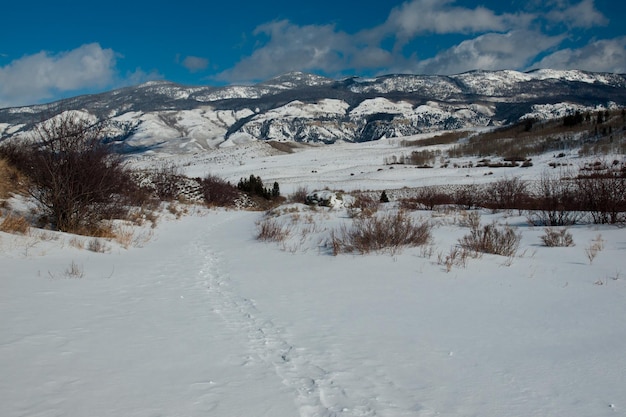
[[309, 108]]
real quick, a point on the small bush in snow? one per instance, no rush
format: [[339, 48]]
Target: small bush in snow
[[492, 239], [388, 233], [299, 195], [557, 238], [363, 206], [594, 247], [271, 230], [218, 192]]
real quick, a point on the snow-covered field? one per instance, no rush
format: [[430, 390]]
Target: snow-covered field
[[199, 318]]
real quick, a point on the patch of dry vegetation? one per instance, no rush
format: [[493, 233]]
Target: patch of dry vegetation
[[11, 180], [15, 224], [386, 233]]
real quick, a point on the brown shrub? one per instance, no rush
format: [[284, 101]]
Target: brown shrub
[[388, 233], [11, 180], [363, 206], [218, 192], [492, 239], [74, 176]]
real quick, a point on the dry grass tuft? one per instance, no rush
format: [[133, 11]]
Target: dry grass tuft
[[11, 180], [271, 230], [557, 238], [15, 224]]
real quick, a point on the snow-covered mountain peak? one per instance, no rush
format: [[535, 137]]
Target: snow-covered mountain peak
[[297, 79], [309, 108]]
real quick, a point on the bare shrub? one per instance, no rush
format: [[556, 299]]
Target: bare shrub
[[427, 198], [456, 257], [15, 224], [557, 238], [299, 195], [492, 239], [74, 176], [97, 245], [468, 196], [165, 180], [218, 192], [271, 230], [387, 233], [556, 204], [74, 271], [506, 194], [363, 206], [595, 246], [470, 219], [603, 194]]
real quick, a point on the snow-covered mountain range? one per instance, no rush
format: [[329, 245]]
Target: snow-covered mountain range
[[309, 108]]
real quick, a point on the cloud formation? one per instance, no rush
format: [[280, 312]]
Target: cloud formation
[[497, 41], [582, 15], [41, 76], [195, 63], [492, 51], [305, 48], [598, 56]]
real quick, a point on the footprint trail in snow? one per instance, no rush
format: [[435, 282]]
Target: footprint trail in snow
[[318, 393]]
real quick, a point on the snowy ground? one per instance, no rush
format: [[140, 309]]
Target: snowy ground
[[198, 318]]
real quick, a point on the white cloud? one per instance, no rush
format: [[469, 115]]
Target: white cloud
[[313, 47], [37, 77], [290, 47], [439, 16], [492, 51], [581, 15], [599, 56], [195, 63]]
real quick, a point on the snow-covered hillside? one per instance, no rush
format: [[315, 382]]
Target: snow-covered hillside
[[197, 317], [307, 108]]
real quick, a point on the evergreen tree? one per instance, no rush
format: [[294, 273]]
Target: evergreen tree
[[276, 190]]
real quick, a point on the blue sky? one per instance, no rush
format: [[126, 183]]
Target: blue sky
[[50, 50]]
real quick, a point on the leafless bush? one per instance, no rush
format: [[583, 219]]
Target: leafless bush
[[492, 239], [165, 179], [272, 230], [363, 206], [426, 198], [299, 195], [595, 246], [603, 194], [506, 194], [470, 219], [75, 177], [387, 233], [218, 192], [557, 238], [74, 271], [468, 196], [557, 203], [457, 256], [97, 245]]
